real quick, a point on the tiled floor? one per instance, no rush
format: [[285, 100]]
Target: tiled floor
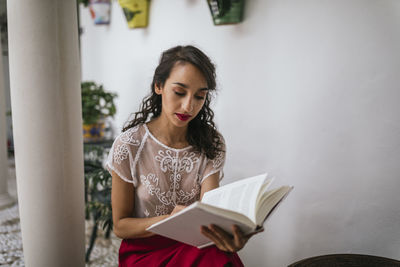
[[105, 251]]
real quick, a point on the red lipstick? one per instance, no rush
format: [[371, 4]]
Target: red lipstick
[[183, 117]]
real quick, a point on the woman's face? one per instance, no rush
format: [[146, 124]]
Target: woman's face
[[183, 94]]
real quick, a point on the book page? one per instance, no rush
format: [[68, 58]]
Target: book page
[[240, 196], [270, 201], [185, 225]]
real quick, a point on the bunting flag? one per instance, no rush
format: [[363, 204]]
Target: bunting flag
[[100, 11], [226, 11], [136, 12]]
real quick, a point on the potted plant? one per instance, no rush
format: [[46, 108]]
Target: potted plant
[[97, 104], [10, 141], [97, 193]]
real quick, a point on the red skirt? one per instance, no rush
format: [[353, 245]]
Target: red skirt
[[161, 251]]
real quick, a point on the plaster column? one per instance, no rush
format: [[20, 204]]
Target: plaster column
[[5, 199], [47, 123]]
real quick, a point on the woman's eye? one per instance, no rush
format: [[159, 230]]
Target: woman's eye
[[183, 94]]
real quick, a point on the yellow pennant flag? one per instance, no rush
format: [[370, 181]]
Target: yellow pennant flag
[[136, 12]]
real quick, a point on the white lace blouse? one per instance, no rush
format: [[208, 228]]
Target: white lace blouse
[[162, 176]]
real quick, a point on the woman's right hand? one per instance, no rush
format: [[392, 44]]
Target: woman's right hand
[[177, 209]]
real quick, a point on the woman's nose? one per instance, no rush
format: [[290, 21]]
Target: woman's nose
[[188, 104]]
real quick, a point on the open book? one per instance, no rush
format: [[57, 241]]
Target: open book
[[246, 203]]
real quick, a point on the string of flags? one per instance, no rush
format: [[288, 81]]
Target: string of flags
[[137, 11]]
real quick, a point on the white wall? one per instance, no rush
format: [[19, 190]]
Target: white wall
[[309, 91]]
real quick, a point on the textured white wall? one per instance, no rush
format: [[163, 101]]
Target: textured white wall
[[309, 91]]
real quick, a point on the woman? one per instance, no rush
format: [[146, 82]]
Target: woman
[[166, 158]]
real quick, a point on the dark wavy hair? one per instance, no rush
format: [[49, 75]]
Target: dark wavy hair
[[202, 133]]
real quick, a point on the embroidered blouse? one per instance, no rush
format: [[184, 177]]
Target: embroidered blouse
[[162, 176]]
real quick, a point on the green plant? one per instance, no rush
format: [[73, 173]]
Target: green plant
[[96, 103], [97, 192], [98, 203]]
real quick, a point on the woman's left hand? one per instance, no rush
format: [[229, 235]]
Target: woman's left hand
[[225, 241]]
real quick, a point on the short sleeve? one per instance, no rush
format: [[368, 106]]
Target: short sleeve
[[121, 158], [216, 165]]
